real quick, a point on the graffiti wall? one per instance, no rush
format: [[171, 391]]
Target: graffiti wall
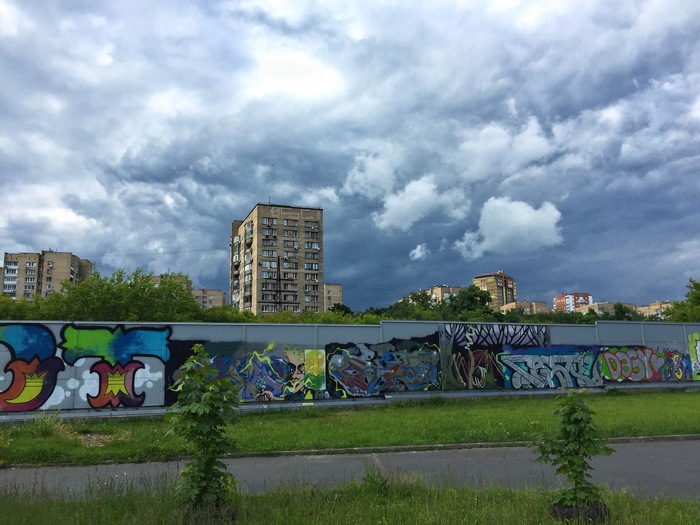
[[92, 366]]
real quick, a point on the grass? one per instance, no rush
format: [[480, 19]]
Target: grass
[[374, 500], [48, 439]]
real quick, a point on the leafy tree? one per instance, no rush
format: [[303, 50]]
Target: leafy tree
[[570, 449], [201, 414], [687, 311], [340, 308], [469, 304]]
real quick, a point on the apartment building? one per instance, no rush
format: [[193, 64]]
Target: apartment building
[[500, 286], [569, 302], [441, 293], [27, 275], [333, 292], [277, 260], [528, 307], [208, 298]]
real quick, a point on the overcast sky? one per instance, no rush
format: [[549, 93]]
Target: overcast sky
[[556, 141]]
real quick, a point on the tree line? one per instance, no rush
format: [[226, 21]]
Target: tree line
[[135, 297]]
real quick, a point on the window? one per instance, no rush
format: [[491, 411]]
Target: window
[[269, 221], [269, 242], [29, 279], [268, 275], [291, 233], [290, 275], [268, 308], [30, 272], [311, 235], [269, 253], [311, 277], [311, 288], [312, 245], [310, 266], [10, 271], [311, 224], [290, 265], [31, 264], [310, 255], [291, 222], [269, 231]]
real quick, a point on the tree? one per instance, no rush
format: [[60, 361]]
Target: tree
[[687, 311], [469, 304], [340, 308], [201, 414], [570, 449]]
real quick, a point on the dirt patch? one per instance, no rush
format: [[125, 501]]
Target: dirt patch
[[94, 440]]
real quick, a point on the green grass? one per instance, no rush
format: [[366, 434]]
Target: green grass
[[373, 500], [50, 440]]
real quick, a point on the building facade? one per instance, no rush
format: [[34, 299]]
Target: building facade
[[528, 307], [333, 293], [500, 286], [569, 302], [207, 298], [441, 293], [27, 275], [277, 260]]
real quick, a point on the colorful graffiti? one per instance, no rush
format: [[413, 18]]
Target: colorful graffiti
[[472, 349], [554, 367], [694, 351], [641, 363], [271, 375], [360, 370], [36, 361], [96, 366]]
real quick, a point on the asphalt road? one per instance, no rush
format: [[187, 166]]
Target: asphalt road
[[669, 467]]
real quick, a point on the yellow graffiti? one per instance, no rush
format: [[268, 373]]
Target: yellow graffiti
[[116, 383], [32, 388]]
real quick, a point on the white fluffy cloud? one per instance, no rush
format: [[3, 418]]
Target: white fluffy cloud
[[510, 227], [419, 253]]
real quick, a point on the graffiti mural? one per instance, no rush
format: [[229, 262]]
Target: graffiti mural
[[362, 370], [694, 351], [288, 374], [641, 363], [96, 363], [93, 366], [470, 352], [33, 365], [553, 367], [115, 350]]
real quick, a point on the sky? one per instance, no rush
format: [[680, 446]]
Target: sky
[[557, 141]]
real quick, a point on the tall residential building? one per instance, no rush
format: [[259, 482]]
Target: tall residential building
[[208, 298], [569, 302], [501, 288], [28, 275], [333, 294], [277, 260]]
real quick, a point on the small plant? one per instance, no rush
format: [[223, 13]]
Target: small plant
[[46, 424], [570, 449], [204, 408]]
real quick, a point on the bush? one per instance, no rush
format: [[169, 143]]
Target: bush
[[204, 408]]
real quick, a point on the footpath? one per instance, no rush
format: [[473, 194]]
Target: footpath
[[648, 468]]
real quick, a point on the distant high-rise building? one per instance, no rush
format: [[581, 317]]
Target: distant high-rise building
[[333, 294], [500, 286], [207, 298], [277, 260], [569, 302], [27, 275]]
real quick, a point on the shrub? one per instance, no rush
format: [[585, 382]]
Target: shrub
[[570, 449], [204, 408]]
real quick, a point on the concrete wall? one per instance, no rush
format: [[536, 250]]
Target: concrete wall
[[93, 366]]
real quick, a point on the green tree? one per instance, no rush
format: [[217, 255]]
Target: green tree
[[570, 450], [201, 414], [469, 304], [687, 311], [341, 308]]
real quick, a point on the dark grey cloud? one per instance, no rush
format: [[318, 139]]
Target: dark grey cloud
[[139, 130]]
